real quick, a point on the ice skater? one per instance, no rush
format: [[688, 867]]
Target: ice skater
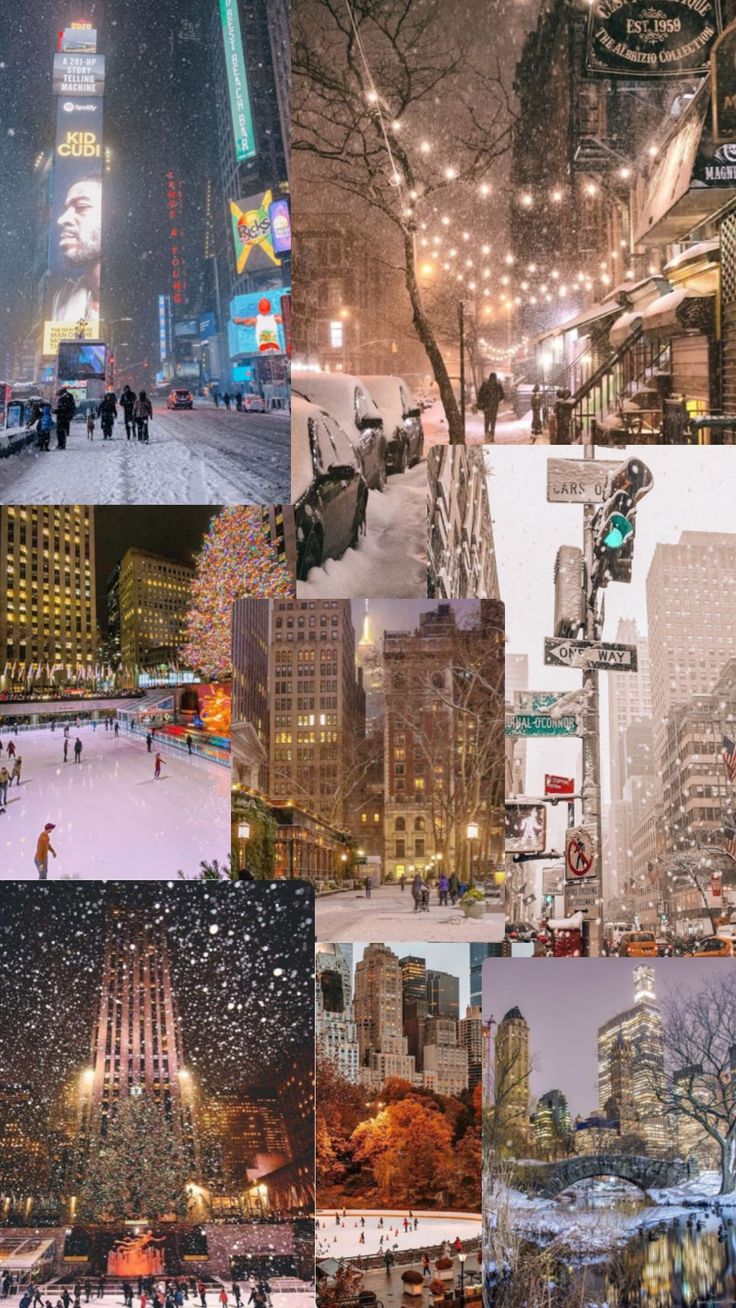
[[149, 741], [4, 783], [17, 767], [189, 744], [117, 728], [66, 748], [10, 750], [77, 750], [43, 848], [157, 769]]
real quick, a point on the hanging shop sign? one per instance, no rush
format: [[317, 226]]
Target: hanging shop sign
[[651, 38], [723, 85]]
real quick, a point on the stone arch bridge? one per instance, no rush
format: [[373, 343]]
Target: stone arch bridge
[[550, 1179]]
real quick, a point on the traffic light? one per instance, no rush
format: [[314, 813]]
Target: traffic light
[[569, 592], [614, 524]]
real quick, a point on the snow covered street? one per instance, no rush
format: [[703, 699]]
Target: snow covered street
[[202, 456], [391, 558], [113, 820], [389, 914], [509, 430], [343, 1241]]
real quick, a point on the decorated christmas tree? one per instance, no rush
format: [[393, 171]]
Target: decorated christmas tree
[[140, 1171], [236, 560]]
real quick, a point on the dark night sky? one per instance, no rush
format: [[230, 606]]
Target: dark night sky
[[176, 532], [242, 1019], [564, 1004], [158, 114]]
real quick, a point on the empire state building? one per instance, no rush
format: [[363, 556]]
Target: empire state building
[[136, 1044]]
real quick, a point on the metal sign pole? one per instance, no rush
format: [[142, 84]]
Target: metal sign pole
[[591, 787]]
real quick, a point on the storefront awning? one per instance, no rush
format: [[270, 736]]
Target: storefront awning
[[624, 326], [594, 313], [680, 311], [692, 180]]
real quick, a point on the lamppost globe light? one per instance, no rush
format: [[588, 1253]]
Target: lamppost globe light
[[472, 831], [244, 831]]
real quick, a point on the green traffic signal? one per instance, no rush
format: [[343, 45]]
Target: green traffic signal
[[617, 532]]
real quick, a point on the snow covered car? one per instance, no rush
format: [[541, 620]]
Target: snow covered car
[[180, 399], [328, 489], [402, 421], [254, 404], [347, 399]]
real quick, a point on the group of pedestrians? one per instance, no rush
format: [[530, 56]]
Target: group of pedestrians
[[173, 1293], [228, 399], [137, 412]]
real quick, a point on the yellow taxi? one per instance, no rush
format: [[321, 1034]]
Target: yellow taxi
[[638, 944], [714, 947]]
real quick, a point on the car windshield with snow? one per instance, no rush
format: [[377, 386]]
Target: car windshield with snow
[[327, 484], [349, 403], [402, 420]]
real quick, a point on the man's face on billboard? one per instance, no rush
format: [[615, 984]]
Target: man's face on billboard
[[79, 224]]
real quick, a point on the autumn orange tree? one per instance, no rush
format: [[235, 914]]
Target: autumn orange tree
[[340, 1107], [408, 1148]]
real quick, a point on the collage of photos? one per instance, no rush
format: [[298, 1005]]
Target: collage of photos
[[368, 654]]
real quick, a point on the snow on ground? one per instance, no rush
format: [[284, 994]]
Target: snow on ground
[[113, 820], [391, 558], [389, 914], [343, 1241], [203, 456], [509, 430]]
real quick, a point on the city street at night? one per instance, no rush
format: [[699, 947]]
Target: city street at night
[[204, 456]]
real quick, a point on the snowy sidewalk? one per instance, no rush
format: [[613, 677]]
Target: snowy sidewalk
[[178, 466], [391, 558], [113, 820], [509, 430], [389, 915]]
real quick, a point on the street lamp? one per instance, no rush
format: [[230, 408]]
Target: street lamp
[[462, 1256], [243, 837], [471, 831]]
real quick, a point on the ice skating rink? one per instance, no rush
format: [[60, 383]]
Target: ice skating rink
[[343, 1241], [113, 820]]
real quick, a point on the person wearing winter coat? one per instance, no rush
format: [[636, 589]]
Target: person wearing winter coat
[[65, 411], [454, 888], [4, 783], [127, 404], [443, 887], [537, 404], [489, 397], [17, 768], [418, 887], [143, 413], [107, 413], [44, 427]]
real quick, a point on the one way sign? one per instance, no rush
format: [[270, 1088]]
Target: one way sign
[[589, 654]]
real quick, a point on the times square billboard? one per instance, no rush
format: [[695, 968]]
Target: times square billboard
[[256, 325], [75, 221]]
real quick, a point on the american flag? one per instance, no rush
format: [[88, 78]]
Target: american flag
[[730, 845], [729, 757]]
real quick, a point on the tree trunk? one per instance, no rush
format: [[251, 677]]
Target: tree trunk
[[728, 1163], [426, 334]]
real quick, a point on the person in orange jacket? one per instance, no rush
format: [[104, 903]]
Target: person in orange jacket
[[157, 769], [43, 848]]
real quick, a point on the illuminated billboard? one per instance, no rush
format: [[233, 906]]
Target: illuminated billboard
[[237, 78], [76, 217], [280, 220], [82, 361], [252, 233], [256, 324], [56, 332], [80, 38], [78, 74]]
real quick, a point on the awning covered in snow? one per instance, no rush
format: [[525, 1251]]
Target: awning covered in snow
[[594, 313], [682, 310], [624, 326]]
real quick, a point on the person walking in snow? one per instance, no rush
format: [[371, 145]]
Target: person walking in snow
[[226, 401], [143, 414], [15, 774], [239, 401], [65, 410], [127, 404], [157, 768], [44, 427], [117, 728], [41, 859], [77, 750], [107, 413], [489, 398], [4, 783]]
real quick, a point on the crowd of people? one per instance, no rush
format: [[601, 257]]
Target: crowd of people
[[450, 888], [136, 410], [152, 1293]]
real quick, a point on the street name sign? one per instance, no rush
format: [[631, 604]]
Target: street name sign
[[579, 852], [541, 724], [591, 654], [578, 481]]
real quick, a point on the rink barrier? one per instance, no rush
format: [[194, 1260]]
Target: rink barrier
[[168, 742]]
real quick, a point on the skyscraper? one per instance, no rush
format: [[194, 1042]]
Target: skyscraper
[[630, 1061], [443, 994], [478, 954], [379, 1018], [47, 563], [250, 738], [337, 1037], [510, 1091], [136, 1045], [631, 755], [413, 978], [155, 594], [318, 706]]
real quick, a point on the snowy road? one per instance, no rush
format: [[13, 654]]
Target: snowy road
[[203, 456], [509, 430], [113, 820], [342, 1241], [391, 558], [389, 915]]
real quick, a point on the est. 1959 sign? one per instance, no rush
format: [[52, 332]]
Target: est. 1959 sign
[[651, 38]]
